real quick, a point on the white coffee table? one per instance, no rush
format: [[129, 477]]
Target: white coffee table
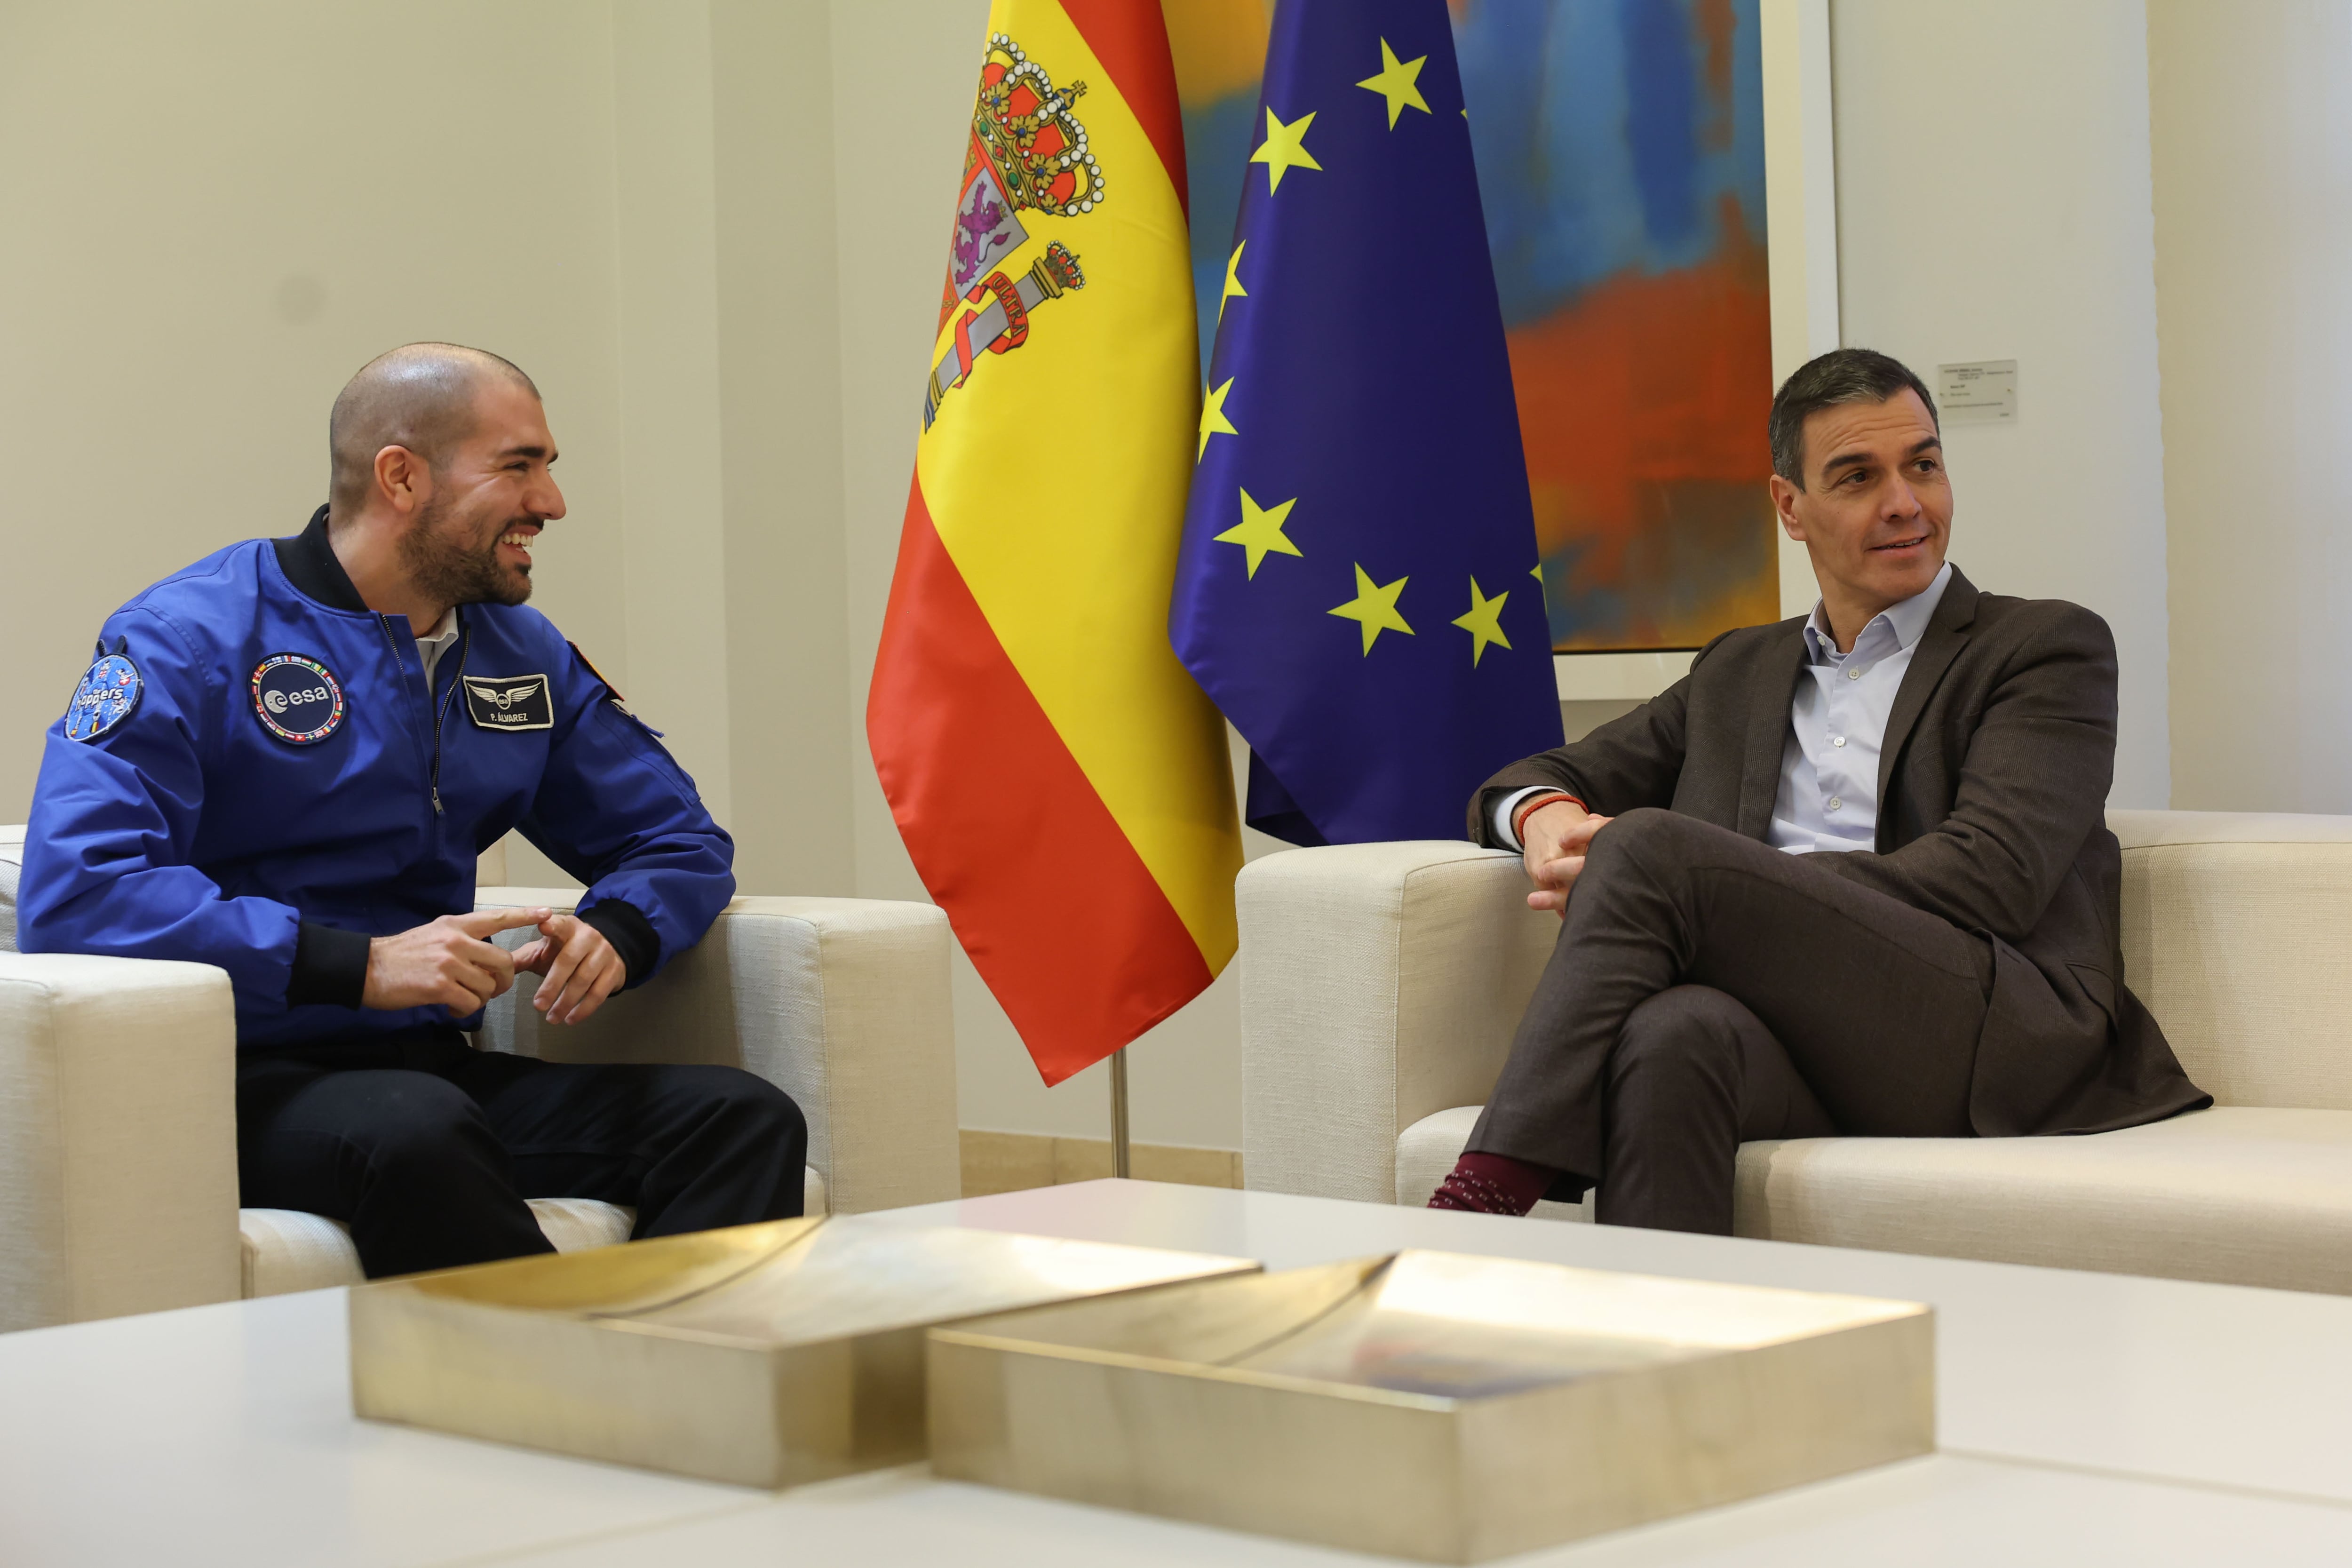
[[2084, 1418]]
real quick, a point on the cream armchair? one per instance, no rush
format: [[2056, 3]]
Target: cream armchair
[[117, 1143], [1381, 983]]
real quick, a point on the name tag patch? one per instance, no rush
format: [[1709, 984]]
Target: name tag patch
[[107, 696], [510, 702], [297, 700]]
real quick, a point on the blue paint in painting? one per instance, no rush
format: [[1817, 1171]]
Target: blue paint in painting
[[1574, 596], [1661, 129], [1587, 122], [1218, 141]]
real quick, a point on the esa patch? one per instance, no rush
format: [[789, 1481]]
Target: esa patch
[[297, 700], [107, 695], [510, 702]]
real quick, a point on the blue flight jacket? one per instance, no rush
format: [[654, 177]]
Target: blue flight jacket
[[254, 775]]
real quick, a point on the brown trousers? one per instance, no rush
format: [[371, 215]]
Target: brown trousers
[[1709, 990]]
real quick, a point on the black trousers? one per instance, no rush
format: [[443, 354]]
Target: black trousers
[[1708, 990], [426, 1147]]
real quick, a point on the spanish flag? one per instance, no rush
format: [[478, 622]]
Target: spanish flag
[[1059, 779]]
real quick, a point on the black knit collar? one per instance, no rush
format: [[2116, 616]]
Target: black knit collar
[[310, 564]]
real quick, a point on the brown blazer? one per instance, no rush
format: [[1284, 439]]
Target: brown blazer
[[1993, 782]]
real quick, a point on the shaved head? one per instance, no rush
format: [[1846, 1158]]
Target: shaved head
[[421, 396]]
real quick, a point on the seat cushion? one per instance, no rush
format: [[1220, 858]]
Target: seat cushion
[[2236, 1195], [286, 1249], [575, 1224]]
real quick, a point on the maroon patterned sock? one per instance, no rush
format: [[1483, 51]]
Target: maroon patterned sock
[[1493, 1183]]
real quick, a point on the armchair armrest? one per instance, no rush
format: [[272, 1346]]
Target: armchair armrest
[[118, 1137], [841, 1003], [1381, 983]]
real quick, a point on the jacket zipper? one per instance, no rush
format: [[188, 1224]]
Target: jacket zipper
[[441, 712], [465, 640]]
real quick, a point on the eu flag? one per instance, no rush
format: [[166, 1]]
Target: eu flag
[[1358, 587]]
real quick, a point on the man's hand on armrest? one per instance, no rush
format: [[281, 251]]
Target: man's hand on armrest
[[579, 967], [450, 962], [1557, 836]]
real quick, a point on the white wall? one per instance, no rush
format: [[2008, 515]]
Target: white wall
[[214, 214], [1994, 203], [665, 245], [2252, 134], [796, 748]]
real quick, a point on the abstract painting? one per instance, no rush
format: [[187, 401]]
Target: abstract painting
[[1620, 146]]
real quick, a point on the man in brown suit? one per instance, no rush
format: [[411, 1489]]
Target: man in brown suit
[[1850, 875]]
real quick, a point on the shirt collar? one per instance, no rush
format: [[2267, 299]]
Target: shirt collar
[[310, 564], [1906, 619], [447, 632]]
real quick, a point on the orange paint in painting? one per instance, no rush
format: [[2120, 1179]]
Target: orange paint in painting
[[1713, 22], [1645, 391], [1644, 380], [1219, 45]]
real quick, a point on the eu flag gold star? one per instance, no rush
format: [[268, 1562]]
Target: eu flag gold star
[[1234, 290], [1374, 607], [1213, 417], [1284, 149], [1260, 531], [1484, 623], [1395, 83]]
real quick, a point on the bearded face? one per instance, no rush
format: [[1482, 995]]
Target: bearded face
[[456, 552]]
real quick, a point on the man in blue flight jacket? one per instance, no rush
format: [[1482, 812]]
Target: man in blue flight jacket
[[284, 762]]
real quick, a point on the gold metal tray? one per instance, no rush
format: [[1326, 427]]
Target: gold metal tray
[[770, 1355], [1432, 1405]]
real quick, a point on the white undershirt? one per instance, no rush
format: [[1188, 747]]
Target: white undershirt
[[437, 642]]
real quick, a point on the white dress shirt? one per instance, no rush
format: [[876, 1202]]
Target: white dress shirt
[[1828, 797]]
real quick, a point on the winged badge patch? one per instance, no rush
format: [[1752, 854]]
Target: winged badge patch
[[510, 702]]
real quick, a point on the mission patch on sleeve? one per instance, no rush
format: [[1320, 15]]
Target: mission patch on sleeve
[[107, 696]]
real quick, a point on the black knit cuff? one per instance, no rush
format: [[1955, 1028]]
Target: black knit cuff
[[631, 934], [329, 967]]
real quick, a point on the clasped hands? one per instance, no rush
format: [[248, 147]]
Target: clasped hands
[[452, 962], [1557, 838]]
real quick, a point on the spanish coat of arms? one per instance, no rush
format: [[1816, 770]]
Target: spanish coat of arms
[[1028, 153]]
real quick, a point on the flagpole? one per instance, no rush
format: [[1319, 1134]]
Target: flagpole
[[1118, 1151]]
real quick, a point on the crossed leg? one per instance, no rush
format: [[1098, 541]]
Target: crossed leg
[[1707, 989]]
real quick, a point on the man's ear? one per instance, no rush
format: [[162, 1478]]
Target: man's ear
[[403, 480], [1784, 506]]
